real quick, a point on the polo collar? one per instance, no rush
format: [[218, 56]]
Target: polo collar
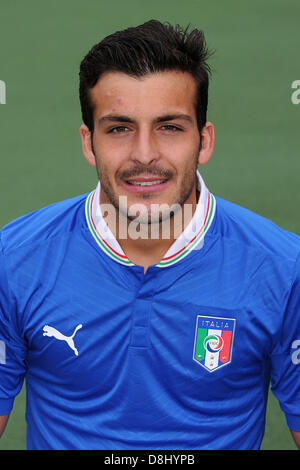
[[190, 239]]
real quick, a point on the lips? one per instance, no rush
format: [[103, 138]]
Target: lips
[[145, 184], [145, 181]]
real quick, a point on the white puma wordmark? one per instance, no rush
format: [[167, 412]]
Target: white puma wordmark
[[50, 331]]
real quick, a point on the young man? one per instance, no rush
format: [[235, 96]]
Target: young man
[[148, 314]]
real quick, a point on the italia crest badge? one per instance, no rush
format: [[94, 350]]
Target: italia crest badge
[[213, 341]]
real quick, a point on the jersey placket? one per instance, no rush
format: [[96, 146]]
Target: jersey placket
[[141, 313]]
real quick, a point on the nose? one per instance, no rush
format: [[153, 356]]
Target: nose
[[145, 149]]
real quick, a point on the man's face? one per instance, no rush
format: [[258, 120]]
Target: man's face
[[146, 140]]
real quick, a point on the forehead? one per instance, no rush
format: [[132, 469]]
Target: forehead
[[146, 96]]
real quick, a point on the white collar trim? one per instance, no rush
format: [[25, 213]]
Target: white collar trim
[[190, 239]]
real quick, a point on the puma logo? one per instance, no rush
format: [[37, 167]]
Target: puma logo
[[50, 331]]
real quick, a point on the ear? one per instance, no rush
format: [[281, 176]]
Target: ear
[[207, 143], [86, 141]]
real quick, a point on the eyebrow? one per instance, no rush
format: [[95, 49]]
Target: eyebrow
[[122, 118]]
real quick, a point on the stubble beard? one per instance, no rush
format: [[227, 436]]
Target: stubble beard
[[188, 183]]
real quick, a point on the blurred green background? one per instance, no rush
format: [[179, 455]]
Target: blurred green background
[[256, 160]]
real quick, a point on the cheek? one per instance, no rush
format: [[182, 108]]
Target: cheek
[[108, 170], [110, 155], [186, 161]]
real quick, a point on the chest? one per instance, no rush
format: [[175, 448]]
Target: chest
[[196, 329]]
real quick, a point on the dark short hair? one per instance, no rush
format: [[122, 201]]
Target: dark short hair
[[148, 48]]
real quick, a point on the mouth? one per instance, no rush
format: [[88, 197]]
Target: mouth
[[143, 184]]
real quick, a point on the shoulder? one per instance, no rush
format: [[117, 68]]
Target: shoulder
[[242, 226], [44, 224]]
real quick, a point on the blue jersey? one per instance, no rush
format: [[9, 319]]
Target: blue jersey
[[180, 357]]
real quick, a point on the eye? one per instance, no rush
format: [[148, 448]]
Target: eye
[[170, 127], [118, 130]]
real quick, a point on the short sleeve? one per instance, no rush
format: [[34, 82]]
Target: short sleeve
[[12, 346], [285, 360]]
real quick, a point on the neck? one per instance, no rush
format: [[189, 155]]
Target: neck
[[146, 244]]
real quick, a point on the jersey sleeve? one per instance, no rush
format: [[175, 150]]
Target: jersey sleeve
[[12, 345], [285, 360]]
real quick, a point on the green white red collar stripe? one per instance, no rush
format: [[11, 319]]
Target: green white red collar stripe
[[190, 239], [100, 231], [177, 251]]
